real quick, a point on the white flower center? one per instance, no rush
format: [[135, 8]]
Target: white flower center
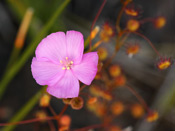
[[66, 63]]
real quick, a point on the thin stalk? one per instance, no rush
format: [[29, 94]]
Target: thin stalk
[[149, 42], [93, 23], [141, 100], [26, 121], [52, 110]]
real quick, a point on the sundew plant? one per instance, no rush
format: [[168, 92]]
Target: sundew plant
[[97, 65]]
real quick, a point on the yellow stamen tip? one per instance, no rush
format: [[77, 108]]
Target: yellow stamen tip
[[66, 58], [68, 68], [61, 61], [71, 62], [63, 68]]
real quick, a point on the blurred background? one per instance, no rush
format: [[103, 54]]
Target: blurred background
[[156, 87]]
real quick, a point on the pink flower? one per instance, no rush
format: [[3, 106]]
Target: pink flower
[[60, 64]]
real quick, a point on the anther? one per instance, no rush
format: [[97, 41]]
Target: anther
[[66, 58], [71, 62], [63, 68], [68, 68], [61, 61]]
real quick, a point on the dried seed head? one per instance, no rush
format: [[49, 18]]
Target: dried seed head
[[137, 110], [77, 103], [67, 100]]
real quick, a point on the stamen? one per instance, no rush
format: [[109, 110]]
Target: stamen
[[68, 68], [71, 62], [61, 61], [63, 68], [66, 58]]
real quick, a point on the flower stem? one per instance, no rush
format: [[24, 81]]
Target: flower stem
[[119, 17], [52, 110], [93, 23], [149, 42], [9, 75], [26, 121], [141, 100]]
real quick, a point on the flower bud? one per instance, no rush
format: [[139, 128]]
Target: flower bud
[[114, 128], [117, 108], [133, 25], [132, 49], [120, 80], [114, 70], [65, 120], [92, 100], [41, 115], [160, 22], [137, 110], [45, 100], [102, 53]]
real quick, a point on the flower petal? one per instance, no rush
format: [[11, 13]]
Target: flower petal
[[66, 87], [75, 46], [53, 47], [45, 72], [87, 69]]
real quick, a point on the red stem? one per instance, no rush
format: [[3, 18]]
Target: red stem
[[138, 97], [36, 119], [52, 110], [82, 87], [51, 125], [150, 43], [63, 110], [27, 121], [93, 23]]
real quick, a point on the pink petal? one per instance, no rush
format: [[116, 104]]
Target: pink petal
[[53, 47], [45, 72], [75, 45], [87, 69], [66, 87]]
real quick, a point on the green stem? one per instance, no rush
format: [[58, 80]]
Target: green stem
[[9, 75], [24, 110]]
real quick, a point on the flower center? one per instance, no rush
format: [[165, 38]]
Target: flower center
[[66, 63]]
